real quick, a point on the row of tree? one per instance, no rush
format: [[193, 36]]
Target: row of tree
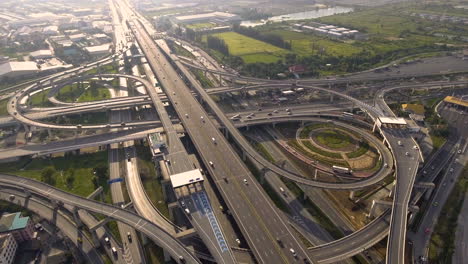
[[217, 44]]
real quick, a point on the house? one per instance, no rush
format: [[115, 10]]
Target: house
[[98, 50], [20, 227]]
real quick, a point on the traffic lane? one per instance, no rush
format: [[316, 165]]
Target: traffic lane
[[167, 86], [230, 171]]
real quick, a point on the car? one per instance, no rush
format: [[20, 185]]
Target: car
[[293, 252], [459, 151], [245, 182], [275, 111], [280, 243], [213, 140], [225, 179], [386, 165], [281, 189], [186, 115], [451, 170], [238, 241], [129, 236], [122, 124], [80, 240], [211, 164], [249, 117], [202, 119], [415, 147], [181, 259], [182, 203], [11, 197], [289, 113], [407, 153], [287, 110], [259, 109], [107, 240], [114, 251], [269, 114], [435, 204], [399, 143], [187, 211]]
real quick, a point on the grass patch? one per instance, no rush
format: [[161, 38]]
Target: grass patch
[[437, 141], [307, 129], [442, 244], [3, 107], [305, 44], [249, 49], [262, 150], [334, 139], [151, 181], [363, 148], [69, 93], [320, 151], [114, 229], [40, 99], [81, 168], [293, 143], [200, 25], [204, 81], [99, 94]]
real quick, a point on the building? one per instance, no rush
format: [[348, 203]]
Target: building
[[21, 228], [8, 248], [14, 69], [77, 37], [50, 30], [207, 17], [455, 102], [41, 54], [98, 50]]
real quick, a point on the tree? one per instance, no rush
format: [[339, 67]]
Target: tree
[[93, 88], [70, 177], [47, 175], [101, 174]]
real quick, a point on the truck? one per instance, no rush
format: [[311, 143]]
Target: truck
[[343, 170]]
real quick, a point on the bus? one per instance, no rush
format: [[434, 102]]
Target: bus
[[347, 114], [341, 169]]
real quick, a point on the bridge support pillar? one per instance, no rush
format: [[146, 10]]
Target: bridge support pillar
[[351, 195], [392, 189], [315, 174], [95, 193], [372, 210], [262, 175], [167, 257], [274, 124], [76, 217], [247, 128], [26, 128], [99, 224], [226, 133], [244, 156], [331, 98]]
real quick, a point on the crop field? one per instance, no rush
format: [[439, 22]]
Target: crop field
[[304, 44], [249, 49]]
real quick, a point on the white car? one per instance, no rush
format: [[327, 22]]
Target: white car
[[245, 181]]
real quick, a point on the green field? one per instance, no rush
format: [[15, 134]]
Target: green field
[[80, 165], [200, 25], [308, 44], [333, 139], [3, 107], [251, 50]]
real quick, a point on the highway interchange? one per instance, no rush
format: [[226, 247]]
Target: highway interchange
[[265, 230]]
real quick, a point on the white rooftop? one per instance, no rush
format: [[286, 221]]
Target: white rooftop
[[100, 48], [205, 15], [38, 53], [17, 66], [186, 178], [392, 120]]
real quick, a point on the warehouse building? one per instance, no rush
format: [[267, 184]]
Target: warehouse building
[[14, 69]]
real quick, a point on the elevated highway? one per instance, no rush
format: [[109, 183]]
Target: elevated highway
[[175, 248]]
